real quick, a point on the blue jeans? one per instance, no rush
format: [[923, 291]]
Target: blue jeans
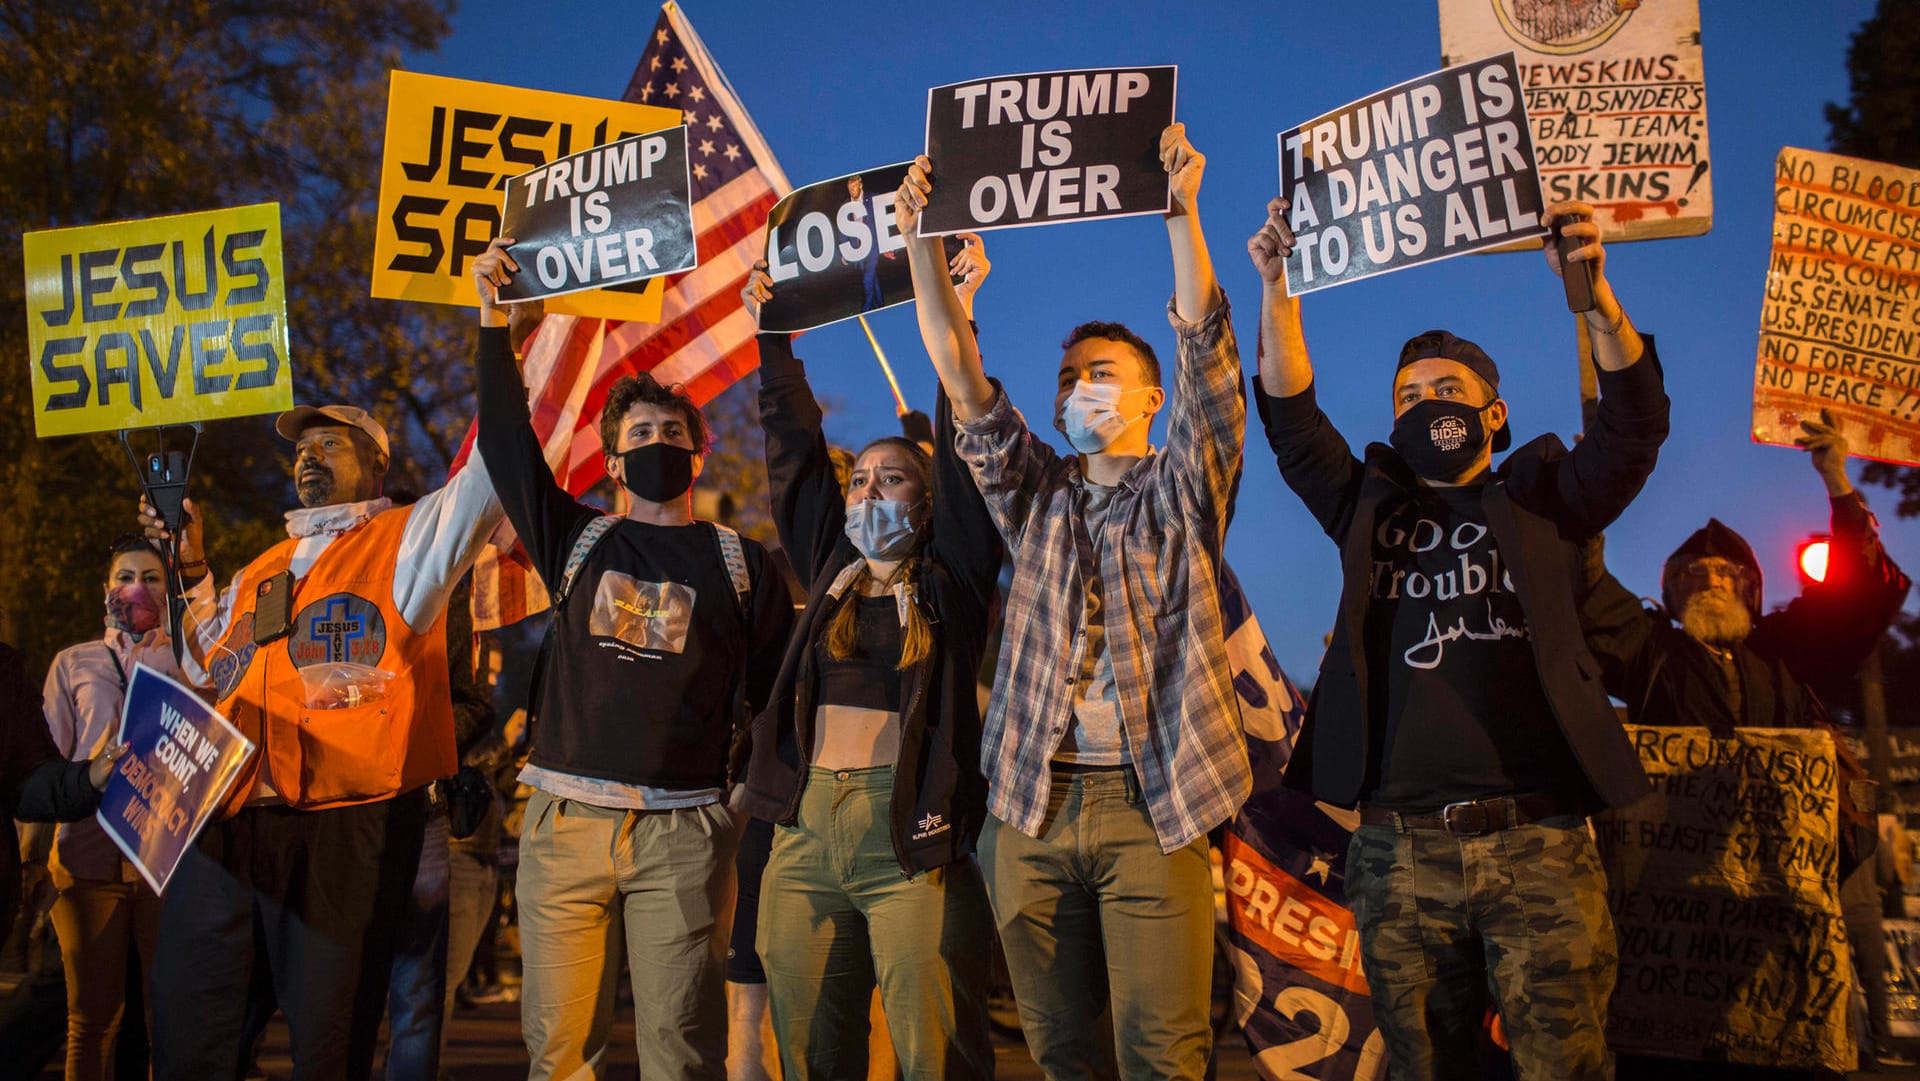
[[417, 989]]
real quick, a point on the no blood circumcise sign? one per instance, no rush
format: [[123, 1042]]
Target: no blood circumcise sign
[[614, 214], [1046, 147]]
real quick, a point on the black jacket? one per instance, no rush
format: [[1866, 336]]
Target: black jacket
[[1542, 504], [938, 780], [36, 783], [1666, 677]]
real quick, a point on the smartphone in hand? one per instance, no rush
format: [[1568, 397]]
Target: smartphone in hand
[[1577, 277]]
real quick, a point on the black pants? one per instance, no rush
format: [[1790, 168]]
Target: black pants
[[303, 902]]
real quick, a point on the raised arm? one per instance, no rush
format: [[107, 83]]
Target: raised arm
[[1589, 487], [1313, 457], [1620, 633], [965, 535], [542, 513], [203, 622], [809, 506], [1825, 634], [1285, 369], [1008, 464], [1195, 291], [943, 316], [1616, 345], [1207, 418]]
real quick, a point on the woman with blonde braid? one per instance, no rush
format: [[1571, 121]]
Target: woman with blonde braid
[[867, 759]]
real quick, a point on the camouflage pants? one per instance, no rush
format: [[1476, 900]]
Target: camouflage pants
[[1446, 920]]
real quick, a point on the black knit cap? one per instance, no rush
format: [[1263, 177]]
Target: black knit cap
[[1715, 540], [1439, 343]]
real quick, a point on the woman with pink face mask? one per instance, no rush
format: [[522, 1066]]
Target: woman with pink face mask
[[104, 910]]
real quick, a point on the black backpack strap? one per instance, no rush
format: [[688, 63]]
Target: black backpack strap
[[583, 545], [590, 536], [733, 554]]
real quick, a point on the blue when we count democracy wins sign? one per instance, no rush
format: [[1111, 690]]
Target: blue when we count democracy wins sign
[[181, 759]]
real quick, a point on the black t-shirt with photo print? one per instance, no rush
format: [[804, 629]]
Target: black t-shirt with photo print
[[1466, 717], [653, 649]]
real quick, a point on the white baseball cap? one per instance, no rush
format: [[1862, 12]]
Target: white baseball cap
[[301, 417]]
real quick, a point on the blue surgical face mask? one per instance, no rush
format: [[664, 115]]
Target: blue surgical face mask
[[1091, 418], [882, 528]]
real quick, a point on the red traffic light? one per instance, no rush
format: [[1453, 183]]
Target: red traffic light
[[1812, 560]]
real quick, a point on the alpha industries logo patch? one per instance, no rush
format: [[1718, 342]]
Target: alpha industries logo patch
[[931, 824]]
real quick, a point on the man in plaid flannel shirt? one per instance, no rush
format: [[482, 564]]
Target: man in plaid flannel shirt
[[1113, 741]]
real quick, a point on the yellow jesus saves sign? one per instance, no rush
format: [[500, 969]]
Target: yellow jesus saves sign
[[159, 321]]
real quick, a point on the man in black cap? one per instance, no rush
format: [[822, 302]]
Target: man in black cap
[[1710, 659], [1457, 704]]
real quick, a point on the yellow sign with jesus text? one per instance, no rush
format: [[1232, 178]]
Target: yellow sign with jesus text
[[137, 324], [451, 145]]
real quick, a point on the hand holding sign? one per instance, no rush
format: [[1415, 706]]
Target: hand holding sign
[[758, 290], [1184, 165], [915, 189], [492, 269], [1270, 246], [1827, 446], [187, 541], [101, 768], [970, 267]]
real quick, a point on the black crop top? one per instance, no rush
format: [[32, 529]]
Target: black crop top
[[868, 678]]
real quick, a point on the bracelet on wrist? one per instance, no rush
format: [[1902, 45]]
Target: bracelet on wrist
[[1606, 326]]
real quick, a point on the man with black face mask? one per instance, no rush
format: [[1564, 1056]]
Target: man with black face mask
[[1457, 704], [676, 633]]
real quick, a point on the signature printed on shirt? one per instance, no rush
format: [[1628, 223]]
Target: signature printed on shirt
[[1432, 649]]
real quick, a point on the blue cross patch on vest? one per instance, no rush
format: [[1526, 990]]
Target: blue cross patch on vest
[[336, 628]]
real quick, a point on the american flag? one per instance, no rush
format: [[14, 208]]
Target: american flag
[[704, 339]]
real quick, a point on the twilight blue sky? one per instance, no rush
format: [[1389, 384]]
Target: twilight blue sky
[[840, 87]]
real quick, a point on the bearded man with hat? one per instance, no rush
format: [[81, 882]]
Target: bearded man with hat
[[1711, 659], [1457, 705], [329, 653]]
